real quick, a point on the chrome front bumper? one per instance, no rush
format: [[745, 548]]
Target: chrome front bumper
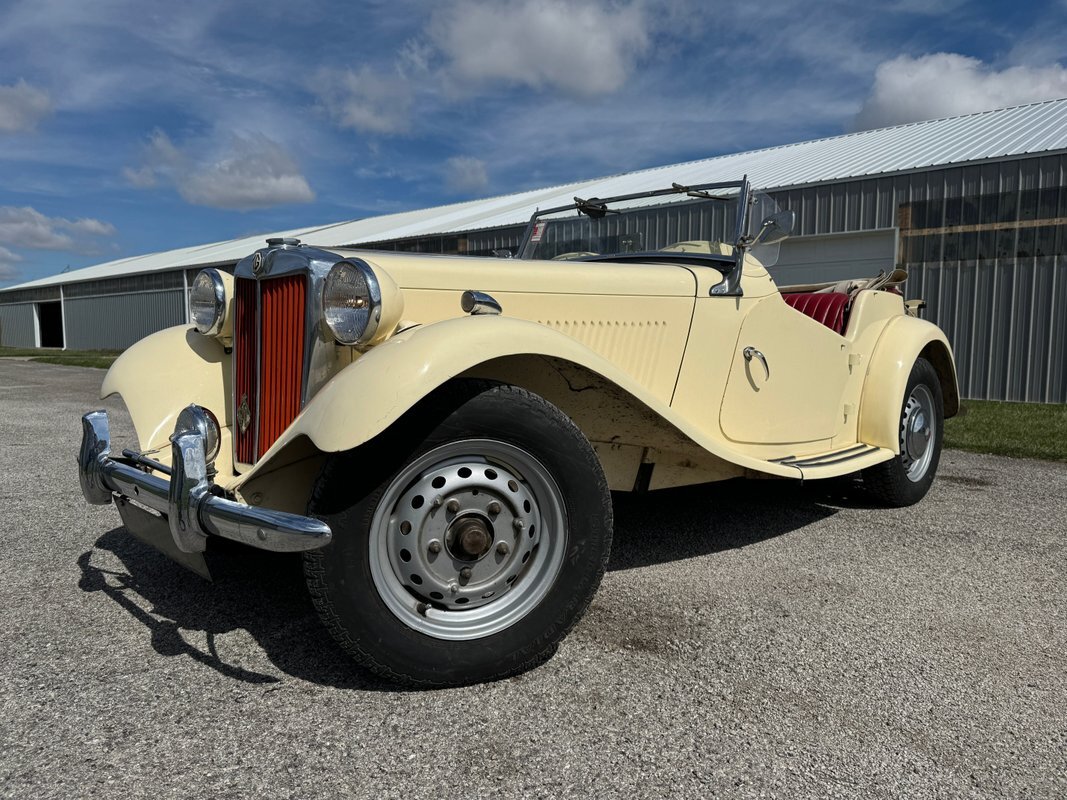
[[188, 501]]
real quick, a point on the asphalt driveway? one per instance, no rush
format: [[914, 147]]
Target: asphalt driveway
[[750, 639]]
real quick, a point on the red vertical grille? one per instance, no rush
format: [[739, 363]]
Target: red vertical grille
[[280, 361], [281, 356]]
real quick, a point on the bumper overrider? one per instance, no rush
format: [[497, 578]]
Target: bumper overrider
[[189, 505]]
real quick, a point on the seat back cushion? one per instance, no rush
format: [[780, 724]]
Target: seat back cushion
[[825, 307]]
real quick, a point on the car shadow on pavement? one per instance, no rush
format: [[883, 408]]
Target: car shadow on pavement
[[674, 524], [264, 593], [255, 591]]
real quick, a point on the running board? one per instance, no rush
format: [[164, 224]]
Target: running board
[[841, 461]]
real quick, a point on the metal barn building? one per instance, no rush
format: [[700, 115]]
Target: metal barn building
[[974, 207]]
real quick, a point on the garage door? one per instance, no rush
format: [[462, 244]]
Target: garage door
[[835, 257]]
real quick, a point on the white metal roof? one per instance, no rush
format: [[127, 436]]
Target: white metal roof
[[1015, 131]]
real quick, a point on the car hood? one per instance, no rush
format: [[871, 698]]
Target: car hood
[[459, 273]]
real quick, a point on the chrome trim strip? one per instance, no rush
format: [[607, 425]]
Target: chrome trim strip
[[830, 461], [787, 459], [188, 501], [826, 459], [258, 421], [233, 400], [314, 334]]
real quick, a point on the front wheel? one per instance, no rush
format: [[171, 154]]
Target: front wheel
[[905, 479], [472, 558]]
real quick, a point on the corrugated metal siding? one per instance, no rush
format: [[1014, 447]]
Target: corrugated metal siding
[[16, 325], [117, 321], [1005, 321]]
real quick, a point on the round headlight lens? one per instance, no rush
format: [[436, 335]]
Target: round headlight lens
[[207, 302], [352, 302]]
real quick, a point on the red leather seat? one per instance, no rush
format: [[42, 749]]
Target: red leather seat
[[825, 307]]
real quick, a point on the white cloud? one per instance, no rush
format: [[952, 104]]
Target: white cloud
[[140, 177], [26, 227], [585, 47], [22, 106], [367, 100], [578, 48], [8, 260], [465, 174], [253, 171], [908, 89]]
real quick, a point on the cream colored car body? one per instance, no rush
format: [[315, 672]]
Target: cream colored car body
[[648, 365]]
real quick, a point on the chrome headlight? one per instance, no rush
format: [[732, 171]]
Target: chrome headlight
[[352, 302], [207, 302]]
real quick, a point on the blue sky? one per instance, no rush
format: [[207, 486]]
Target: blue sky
[[132, 126]]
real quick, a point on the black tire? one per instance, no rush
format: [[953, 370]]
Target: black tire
[[905, 479], [360, 588]]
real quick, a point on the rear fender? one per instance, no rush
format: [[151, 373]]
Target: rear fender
[[902, 341]]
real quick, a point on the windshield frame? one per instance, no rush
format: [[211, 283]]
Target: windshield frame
[[743, 193]]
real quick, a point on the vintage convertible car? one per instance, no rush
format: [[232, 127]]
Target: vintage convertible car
[[439, 434]]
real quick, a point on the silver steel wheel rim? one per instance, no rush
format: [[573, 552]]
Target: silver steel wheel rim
[[436, 518], [917, 433]]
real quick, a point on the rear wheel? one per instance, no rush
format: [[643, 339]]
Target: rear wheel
[[472, 558], [905, 480]]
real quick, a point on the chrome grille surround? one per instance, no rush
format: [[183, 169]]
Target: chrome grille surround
[[273, 262]]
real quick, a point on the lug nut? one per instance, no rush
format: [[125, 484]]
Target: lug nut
[[493, 508], [453, 506], [503, 548], [436, 502], [465, 574], [454, 588], [435, 546], [519, 524]]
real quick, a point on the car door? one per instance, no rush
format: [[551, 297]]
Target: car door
[[787, 378]]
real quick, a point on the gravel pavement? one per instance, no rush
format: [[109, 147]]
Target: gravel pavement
[[750, 640]]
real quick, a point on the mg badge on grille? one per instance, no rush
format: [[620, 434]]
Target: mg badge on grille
[[257, 263], [244, 413]]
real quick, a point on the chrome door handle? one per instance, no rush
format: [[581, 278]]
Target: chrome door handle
[[751, 352]]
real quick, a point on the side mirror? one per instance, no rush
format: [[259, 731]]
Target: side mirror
[[775, 228]]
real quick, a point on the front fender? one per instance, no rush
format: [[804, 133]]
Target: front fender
[[368, 396], [902, 341], [162, 374]]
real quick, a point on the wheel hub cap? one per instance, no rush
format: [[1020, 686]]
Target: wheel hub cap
[[469, 537], [461, 536], [917, 433]]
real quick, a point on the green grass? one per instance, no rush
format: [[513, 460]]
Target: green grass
[[1023, 430], [99, 362], [101, 359]]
